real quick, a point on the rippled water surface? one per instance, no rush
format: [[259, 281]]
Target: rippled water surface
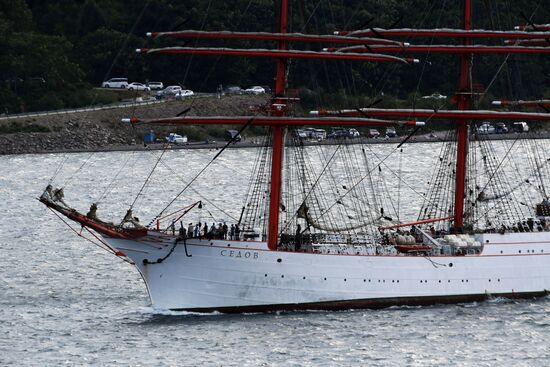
[[66, 302]]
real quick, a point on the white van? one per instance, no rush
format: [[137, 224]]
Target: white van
[[115, 83], [520, 127]]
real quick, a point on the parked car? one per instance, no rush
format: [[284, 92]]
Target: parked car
[[138, 86], [255, 90], [301, 134], [232, 135], [315, 134], [435, 96], [390, 132], [486, 128], [501, 128], [520, 127], [232, 89], [169, 91], [155, 85], [266, 88], [343, 133], [338, 133], [115, 83], [174, 138], [183, 94], [373, 133]]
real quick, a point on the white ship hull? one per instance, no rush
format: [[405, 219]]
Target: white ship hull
[[234, 276]]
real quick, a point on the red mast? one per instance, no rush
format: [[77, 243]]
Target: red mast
[[464, 98], [278, 139]]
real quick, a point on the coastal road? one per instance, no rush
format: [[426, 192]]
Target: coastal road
[[79, 110], [128, 104]]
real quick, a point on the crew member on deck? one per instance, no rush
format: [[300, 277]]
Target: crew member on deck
[[232, 232], [205, 230], [129, 218], [224, 231], [92, 214], [298, 238]]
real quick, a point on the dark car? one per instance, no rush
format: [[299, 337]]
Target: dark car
[[501, 128], [232, 135], [390, 132], [373, 133], [232, 89], [338, 134]]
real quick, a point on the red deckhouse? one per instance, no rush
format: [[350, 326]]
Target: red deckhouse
[[371, 46]]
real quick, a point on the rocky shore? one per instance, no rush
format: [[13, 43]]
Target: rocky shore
[[103, 130]]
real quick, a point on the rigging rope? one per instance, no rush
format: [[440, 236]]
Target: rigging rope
[[123, 46], [200, 172], [148, 178], [110, 186]]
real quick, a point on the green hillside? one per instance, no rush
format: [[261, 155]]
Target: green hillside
[[55, 52]]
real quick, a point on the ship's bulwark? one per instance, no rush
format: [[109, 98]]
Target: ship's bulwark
[[231, 276]]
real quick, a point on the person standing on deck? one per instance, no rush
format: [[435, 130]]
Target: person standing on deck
[[232, 232], [298, 238], [190, 230], [219, 231], [224, 231], [197, 230]]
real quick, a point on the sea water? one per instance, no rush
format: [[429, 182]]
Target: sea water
[[64, 301]]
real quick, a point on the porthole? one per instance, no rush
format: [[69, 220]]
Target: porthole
[[325, 278], [489, 280], [228, 245], [450, 265], [282, 276], [466, 280], [397, 281], [498, 280], [393, 281], [440, 281], [369, 280], [303, 277], [462, 280], [378, 280], [420, 281], [384, 281], [520, 251], [448, 281], [501, 251], [265, 275], [345, 280]]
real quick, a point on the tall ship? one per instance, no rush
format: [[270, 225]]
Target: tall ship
[[321, 232]]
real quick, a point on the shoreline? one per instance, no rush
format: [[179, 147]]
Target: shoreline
[[437, 137]]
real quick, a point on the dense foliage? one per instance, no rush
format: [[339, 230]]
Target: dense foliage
[[54, 52]]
